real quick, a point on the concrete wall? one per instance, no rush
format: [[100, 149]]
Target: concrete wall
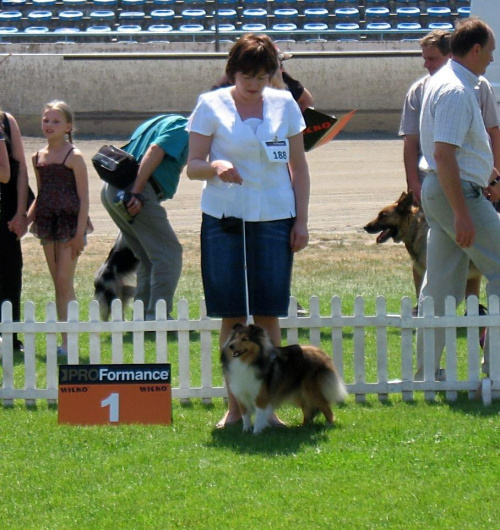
[[113, 88]]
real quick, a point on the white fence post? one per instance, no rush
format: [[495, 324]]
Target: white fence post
[[407, 328]]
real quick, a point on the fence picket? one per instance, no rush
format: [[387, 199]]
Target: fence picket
[[494, 346], [365, 365], [117, 336], [407, 330], [381, 332], [94, 336], [451, 347], [359, 347], [337, 342]]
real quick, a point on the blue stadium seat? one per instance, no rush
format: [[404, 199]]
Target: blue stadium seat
[[129, 28], [407, 3], [14, 5], [103, 17], [377, 3], [160, 28], [40, 19], [132, 18], [347, 3], [253, 4], [65, 35], [286, 15], [224, 28], [438, 14], [316, 15], [11, 19], [94, 30], [99, 29], [347, 14], [254, 16], [162, 17], [133, 5], [378, 26], [164, 4], [76, 5], [317, 27], [288, 27], [105, 5], [254, 27], [226, 16], [44, 5], [8, 30], [194, 16], [37, 30], [71, 19], [194, 4], [463, 12], [408, 26], [408, 14], [191, 29], [286, 3], [376, 14], [447, 26], [347, 29]]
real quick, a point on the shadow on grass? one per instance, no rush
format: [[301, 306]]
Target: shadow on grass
[[272, 441], [473, 407]]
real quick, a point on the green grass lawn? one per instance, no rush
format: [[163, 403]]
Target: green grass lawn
[[397, 465], [393, 465]]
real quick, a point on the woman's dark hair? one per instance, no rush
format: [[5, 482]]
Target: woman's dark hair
[[469, 32], [252, 54]]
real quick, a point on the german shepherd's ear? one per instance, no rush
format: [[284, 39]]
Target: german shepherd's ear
[[405, 202]]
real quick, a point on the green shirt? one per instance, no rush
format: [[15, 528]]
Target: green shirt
[[167, 131]]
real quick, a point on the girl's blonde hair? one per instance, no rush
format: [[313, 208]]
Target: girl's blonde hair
[[67, 112]]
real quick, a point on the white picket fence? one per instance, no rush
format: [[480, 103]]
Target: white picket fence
[[336, 325]]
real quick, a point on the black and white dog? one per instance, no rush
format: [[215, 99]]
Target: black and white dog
[[116, 278]]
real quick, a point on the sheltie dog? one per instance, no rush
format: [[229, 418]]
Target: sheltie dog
[[262, 376], [116, 278]]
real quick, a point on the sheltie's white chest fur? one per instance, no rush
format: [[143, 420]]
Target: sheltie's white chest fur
[[244, 383]]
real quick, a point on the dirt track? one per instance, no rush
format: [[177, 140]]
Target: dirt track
[[352, 178]]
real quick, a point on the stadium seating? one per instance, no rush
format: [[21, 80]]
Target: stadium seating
[[291, 20]]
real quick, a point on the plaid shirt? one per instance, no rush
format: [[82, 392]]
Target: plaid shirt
[[451, 114]]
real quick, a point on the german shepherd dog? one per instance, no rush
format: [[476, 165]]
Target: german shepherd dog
[[116, 277], [262, 376], [406, 223]]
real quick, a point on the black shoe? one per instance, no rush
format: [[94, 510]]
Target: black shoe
[[18, 346]]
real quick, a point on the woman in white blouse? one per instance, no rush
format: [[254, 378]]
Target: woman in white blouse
[[246, 144]]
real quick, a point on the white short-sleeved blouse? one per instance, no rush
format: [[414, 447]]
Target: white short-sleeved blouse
[[266, 193]]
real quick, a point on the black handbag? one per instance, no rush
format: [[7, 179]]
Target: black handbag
[[115, 166]]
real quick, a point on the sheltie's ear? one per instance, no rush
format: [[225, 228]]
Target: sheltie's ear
[[237, 326], [257, 334]]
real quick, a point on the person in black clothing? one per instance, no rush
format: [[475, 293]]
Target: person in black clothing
[[282, 79], [13, 221]]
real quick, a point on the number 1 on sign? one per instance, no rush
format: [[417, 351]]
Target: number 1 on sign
[[113, 401]]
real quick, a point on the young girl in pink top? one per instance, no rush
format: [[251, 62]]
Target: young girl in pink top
[[60, 213]]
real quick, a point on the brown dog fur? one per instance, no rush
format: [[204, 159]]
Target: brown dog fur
[[406, 223], [261, 377]]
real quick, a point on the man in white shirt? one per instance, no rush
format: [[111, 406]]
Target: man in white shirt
[[456, 147], [436, 52]]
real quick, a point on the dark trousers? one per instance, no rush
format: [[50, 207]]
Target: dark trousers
[[11, 266]]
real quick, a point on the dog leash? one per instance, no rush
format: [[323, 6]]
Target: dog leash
[[245, 268]]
